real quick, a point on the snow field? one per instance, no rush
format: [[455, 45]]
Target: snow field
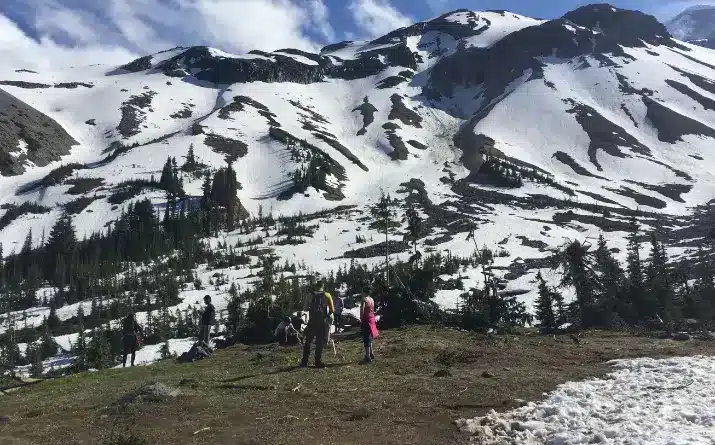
[[645, 401]]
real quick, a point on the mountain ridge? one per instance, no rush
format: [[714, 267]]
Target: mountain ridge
[[495, 114]]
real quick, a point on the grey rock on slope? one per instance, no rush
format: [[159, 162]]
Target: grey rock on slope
[[26, 135]]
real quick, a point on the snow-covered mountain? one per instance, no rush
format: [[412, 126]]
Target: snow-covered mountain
[[601, 113], [695, 24]]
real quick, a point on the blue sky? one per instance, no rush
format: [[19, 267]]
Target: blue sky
[[106, 30]]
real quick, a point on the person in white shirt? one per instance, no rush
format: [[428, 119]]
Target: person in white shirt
[[339, 303]]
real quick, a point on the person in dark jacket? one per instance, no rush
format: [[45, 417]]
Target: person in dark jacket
[[130, 339], [207, 319], [320, 307]]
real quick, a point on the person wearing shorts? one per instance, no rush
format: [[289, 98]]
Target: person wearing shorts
[[368, 325]]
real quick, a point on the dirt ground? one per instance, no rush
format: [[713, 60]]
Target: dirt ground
[[423, 379]]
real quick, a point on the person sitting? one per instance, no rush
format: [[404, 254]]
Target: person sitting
[[286, 334]]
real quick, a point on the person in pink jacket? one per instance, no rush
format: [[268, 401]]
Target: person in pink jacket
[[367, 324]]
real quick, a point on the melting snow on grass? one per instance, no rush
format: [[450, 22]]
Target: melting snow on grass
[[645, 401]]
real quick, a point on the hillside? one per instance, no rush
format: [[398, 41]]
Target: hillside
[[424, 379], [505, 137]]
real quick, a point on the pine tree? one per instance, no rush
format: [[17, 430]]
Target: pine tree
[[99, 351], [165, 350], [235, 312], [635, 288], [414, 226], [52, 322], [579, 274], [705, 289], [79, 349], [659, 286], [384, 213], [35, 357], [545, 306], [48, 346], [190, 164], [610, 278]]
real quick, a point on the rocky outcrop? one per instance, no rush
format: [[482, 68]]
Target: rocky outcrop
[[231, 148], [403, 113], [671, 125], [368, 111], [28, 137], [134, 114]]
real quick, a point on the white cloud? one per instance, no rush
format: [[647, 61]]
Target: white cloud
[[17, 50], [376, 18], [122, 29]]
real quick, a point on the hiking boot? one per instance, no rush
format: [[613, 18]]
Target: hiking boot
[[372, 356], [303, 365], [366, 361], [319, 365]]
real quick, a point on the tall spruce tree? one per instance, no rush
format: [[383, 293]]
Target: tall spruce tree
[[579, 274], [635, 288], [545, 305], [610, 279], [414, 225], [659, 285]]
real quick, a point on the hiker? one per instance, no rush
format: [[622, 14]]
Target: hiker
[[286, 334], [298, 321], [130, 341], [368, 326], [207, 320], [339, 304], [321, 310]]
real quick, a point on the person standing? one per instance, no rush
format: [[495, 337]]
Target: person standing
[[368, 325], [130, 340], [320, 308], [207, 320], [339, 304]]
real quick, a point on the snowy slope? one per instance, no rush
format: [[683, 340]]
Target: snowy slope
[[644, 401]]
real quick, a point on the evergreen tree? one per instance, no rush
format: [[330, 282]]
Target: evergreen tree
[[79, 349], [384, 214], [414, 226], [579, 274], [235, 312], [545, 306], [610, 278], [635, 289], [190, 164], [48, 346], [658, 284], [99, 351], [35, 357], [705, 289]]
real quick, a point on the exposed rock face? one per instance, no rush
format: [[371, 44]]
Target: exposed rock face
[[133, 113], [672, 125], [368, 111], [28, 136]]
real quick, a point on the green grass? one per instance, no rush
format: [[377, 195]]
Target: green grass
[[423, 379]]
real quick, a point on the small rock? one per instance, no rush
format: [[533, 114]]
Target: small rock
[[185, 382], [488, 375], [443, 373], [681, 336], [664, 335], [91, 122], [520, 402], [506, 368]]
